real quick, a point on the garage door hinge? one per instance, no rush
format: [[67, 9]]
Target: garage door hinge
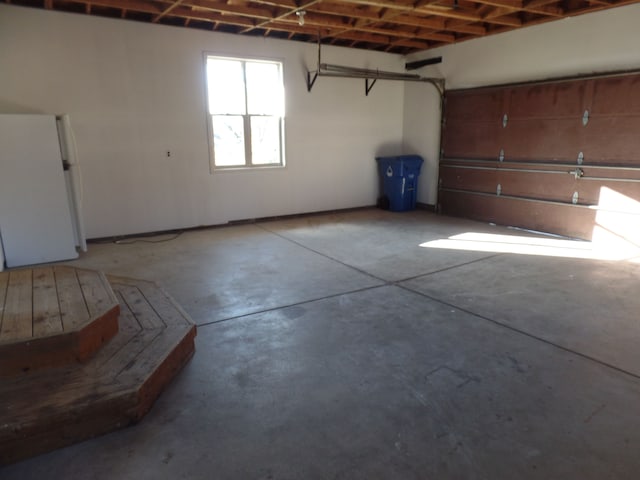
[[505, 119], [585, 118], [501, 156], [577, 173], [580, 158], [498, 190], [575, 197]]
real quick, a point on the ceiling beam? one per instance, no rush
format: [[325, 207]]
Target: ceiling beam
[[287, 13], [166, 11], [402, 26]]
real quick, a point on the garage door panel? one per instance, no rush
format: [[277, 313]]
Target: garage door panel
[[544, 186], [546, 132], [612, 194], [546, 140], [465, 178], [471, 140], [548, 100], [616, 95], [612, 140], [569, 220], [481, 106]]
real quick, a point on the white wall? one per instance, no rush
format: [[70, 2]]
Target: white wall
[[134, 91], [597, 42], [421, 135]]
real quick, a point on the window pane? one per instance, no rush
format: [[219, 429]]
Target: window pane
[[228, 140], [264, 88], [265, 140], [225, 83]]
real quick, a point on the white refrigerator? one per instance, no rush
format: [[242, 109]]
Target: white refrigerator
[[35, 212]]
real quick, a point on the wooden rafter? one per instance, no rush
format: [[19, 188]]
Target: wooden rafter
[[166, 11], [401, 26], [289, 12]]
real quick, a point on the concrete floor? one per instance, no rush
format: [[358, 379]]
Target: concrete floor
[[335, 347]]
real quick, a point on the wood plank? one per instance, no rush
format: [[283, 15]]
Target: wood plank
[[46, 310], [144, 313], [73, 308], [166, 367], [83, 413], [154, 353], [96, 290], [128, 328], [130, 341], [168, 310], [17, 317], [126, 357], [62, 331], [127, 321], [116, 387]]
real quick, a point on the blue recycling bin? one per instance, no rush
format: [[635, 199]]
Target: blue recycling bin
[[399, 180]]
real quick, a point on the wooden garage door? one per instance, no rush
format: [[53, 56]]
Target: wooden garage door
[[560, 157]]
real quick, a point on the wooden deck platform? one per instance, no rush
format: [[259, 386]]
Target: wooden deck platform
[[53, 316], [51, 408]]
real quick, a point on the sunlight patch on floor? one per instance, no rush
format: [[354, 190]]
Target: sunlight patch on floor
[[536, 245]]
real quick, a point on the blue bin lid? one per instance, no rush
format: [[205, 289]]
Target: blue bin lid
[[400, 163]]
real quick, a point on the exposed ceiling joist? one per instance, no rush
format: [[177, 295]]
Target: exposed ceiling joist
[[398, 26]]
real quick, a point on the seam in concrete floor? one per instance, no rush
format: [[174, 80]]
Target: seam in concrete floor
[[295, 242], [386, 282], [522, 332], [304, 302], [447, 268], [398, 284]]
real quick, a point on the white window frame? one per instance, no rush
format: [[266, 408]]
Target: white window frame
[[246, 117]]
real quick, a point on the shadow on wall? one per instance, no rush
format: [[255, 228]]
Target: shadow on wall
[[389, 149], [9, 107]]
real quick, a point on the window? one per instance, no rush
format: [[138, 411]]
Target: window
[[246, 112]]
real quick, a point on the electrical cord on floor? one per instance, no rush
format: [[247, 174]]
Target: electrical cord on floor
[[144, 240]]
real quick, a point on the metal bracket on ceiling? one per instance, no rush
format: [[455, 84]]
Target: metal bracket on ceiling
[[370, 76], [368, 86], [311, 81]]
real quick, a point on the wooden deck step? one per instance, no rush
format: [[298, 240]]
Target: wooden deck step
[[49, 409], [53, 316]]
